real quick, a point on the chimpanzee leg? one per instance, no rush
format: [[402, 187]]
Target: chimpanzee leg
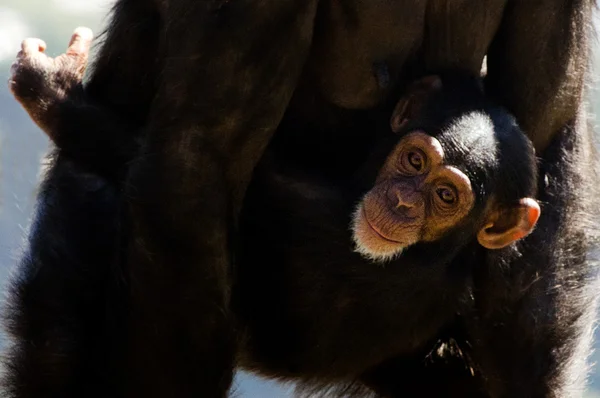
[[66, 308], [61, 314], [230, 69]]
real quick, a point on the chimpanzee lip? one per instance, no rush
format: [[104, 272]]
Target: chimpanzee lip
[[379, 234]]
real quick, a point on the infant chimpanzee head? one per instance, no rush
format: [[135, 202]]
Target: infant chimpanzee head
[[461, 165]]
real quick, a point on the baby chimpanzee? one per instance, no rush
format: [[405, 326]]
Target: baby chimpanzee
[[455, 178]]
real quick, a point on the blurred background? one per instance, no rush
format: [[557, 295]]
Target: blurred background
[[23, 145]]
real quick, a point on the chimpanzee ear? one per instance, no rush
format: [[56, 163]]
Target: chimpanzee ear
[[506, 226], [415, 96]]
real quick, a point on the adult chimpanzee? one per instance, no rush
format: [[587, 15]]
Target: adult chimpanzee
[[208, 107], [458, 165]]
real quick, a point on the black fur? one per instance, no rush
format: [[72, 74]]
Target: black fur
[[414, 301], [204, 85], [65, 307]]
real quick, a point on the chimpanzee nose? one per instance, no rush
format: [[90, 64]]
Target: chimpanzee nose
[[405, 199]]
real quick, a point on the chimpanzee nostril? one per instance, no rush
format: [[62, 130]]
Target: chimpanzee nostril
[[402, 207]]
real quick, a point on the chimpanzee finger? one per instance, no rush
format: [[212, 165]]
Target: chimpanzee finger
[[80, 43], [33, 45]]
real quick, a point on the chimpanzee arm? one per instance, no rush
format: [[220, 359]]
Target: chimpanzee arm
[[533, 324], [537, 64]]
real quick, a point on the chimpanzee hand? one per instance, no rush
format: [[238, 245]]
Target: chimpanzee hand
[[41, 83]]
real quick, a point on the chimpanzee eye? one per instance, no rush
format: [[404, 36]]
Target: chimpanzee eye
[[446, 194], [416, 160]]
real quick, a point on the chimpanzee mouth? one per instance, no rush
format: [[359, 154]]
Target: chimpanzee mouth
[[376, 231]]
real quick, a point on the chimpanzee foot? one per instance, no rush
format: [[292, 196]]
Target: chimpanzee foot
[[40, 83]]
